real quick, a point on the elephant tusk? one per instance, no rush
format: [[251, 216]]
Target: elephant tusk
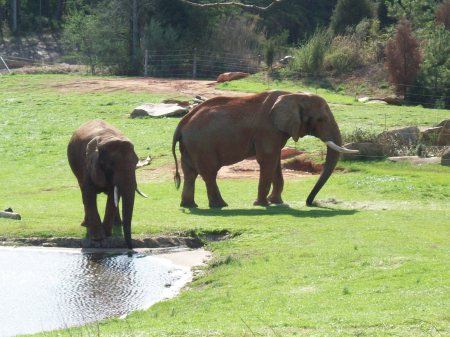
[[116, 196], [339, 148], [140, 193]]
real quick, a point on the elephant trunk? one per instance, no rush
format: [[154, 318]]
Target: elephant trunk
[[330, 163], [127, 190], [331, 160]]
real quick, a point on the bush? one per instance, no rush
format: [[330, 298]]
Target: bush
[[344, 55], [348, 13], [432, 86], [309, 58], [403, 58]]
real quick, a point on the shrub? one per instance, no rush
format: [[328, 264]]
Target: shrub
[[433, 82], [403, 58], [348, 13], [344, 54], [309, 58], [443, 14]]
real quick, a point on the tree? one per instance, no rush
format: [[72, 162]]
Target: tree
[[403, 58], [419, 12], [348, 13], [14, 15], [443, 14]]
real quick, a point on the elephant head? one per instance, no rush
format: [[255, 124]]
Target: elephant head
[[111, 164], [301, 114]]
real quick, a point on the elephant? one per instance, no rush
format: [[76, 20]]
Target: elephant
[[103, 160], [225, 130]]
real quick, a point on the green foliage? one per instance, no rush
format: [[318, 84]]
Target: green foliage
[[348, 13], [100, 37], [433, 83], [344, 54], [309, 57], [420, 13]]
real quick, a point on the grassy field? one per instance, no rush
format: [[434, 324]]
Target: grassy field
[[372, 260]]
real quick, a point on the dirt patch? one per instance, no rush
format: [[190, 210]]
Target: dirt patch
[[294, 164], [175, 87]]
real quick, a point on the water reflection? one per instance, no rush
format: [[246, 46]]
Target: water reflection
[[44, 290]]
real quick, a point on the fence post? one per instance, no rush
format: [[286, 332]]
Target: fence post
[[146, 63], [194, 64], [7, 68]]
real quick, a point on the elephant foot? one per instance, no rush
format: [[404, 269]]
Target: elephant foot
[[107, 229], [97, 233], [275, 200], [218, 204], [190, 204], [83, 223], [263, 203]]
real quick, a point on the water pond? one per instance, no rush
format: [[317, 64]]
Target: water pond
[[47, 289]]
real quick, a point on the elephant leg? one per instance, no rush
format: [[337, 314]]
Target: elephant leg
[[266, 176], [91, 216], [187, 196], [110, 215], [277, 186], [214, 196]]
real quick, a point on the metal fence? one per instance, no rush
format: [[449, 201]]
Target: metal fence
[[197, 63]]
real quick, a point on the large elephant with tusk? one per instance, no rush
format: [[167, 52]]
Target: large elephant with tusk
[[225, 130], [103, 160]]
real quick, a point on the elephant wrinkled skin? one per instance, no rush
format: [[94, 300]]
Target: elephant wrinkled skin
[[103, 160], [225, 130]]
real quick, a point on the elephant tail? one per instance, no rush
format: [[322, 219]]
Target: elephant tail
[[176, 139]]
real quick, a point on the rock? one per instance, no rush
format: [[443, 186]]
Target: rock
[[376, 101], [445, 159], [286, 60], [381, 100], [226, 77], [408, 136], [10, 214], [415, 160], [430, 136], [159, 110], [444, 135], [366, 151]]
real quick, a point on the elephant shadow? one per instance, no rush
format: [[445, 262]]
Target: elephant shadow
[[310, 212]]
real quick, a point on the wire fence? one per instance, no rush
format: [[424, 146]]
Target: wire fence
[[204, 64], [198, 63]]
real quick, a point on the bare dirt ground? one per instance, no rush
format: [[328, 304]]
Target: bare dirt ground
[[175, 87]]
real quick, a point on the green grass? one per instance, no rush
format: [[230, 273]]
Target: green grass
[[372, 260]]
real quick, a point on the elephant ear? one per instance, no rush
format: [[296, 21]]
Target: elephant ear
[[285, 115], [92, 163]]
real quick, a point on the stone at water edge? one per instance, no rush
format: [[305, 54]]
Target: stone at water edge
[[445, 159]]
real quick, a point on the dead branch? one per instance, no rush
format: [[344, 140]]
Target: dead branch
[[250, 8]]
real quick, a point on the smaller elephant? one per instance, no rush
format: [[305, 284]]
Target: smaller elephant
[[103, 160], [225, 130]]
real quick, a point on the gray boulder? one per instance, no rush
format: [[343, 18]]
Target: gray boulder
[[159, 110], [438, 135], [408, 136], [366, 151], [445, 159]]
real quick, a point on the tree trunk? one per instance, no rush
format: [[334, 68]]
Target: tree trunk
[[59, 10], [134, 34], [14, 15]]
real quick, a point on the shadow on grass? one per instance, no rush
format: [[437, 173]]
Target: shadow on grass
[[310, 212]]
